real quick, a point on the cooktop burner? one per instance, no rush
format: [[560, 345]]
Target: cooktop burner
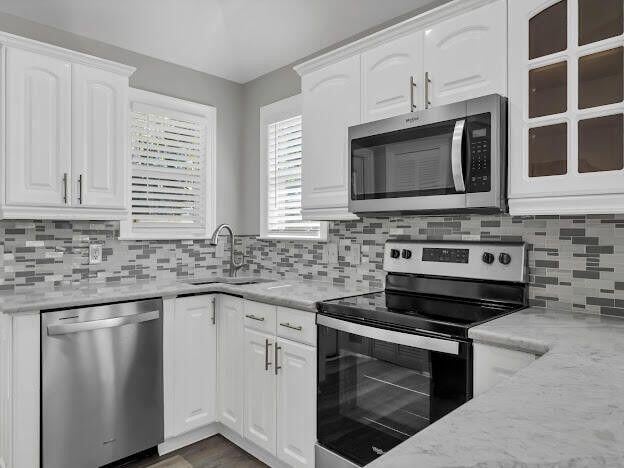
[[410, 313]]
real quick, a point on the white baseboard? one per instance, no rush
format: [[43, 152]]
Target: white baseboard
[[175, 443]]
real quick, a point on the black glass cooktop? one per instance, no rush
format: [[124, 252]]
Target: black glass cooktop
[[415, 313]]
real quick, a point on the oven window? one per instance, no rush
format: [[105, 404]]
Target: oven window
[[406, 163], [372, 394]]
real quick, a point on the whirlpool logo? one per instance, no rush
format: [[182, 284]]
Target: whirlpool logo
[[411, 120], [377, 451]]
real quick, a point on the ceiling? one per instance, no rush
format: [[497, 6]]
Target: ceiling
[[235, 39]]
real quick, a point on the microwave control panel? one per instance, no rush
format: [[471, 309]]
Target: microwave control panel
[[479, 150]]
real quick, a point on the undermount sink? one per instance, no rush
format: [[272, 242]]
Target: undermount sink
[[241, 280]]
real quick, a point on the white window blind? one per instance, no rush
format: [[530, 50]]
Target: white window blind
[[284, 181], [168, 168]]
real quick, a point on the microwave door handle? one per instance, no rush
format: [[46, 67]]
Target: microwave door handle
[[456, 156]]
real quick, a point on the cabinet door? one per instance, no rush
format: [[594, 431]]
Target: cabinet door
[[260, 389], [493, 364], [331, 103], [392, 77], [100, 99], [38, 129], [230, 340], [566, 107], [466, 56], [195, 366], [296, 403]]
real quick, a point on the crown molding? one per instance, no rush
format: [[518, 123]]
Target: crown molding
[[398, 30], [11, 40]]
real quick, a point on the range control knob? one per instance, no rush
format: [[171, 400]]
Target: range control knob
[[488, 258], [504, 258], [395, 253], [406, 254]]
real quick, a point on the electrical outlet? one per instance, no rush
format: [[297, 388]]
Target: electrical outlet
[[355, 256], [332, 253], [95, 254], [220, 250]]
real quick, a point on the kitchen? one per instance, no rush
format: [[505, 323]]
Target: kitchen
[[395, 239]]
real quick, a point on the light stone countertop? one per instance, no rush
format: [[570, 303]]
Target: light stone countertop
[[566, 409], [298, 294]]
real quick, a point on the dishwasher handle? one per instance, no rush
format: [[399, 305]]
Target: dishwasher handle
[[64, 329]]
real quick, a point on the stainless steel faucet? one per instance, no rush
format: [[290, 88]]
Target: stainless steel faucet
[[234, 265]]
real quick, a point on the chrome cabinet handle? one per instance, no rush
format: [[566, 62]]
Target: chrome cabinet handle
[[277, 367], [456, 156], [80, 189], [292, 327], [104, 323], [427, 83], [266, 354], [65, 188], [413, 86], [253, 317]]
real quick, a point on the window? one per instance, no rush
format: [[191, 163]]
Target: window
[[281, 154], [171, 162]]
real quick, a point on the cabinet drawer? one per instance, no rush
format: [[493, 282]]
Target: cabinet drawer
[[259, 316], [296, 325]]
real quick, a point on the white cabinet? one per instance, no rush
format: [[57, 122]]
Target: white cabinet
[[296, 403], [231, 341], [38, 129], [392, 78], [260, 415], [493, 364], [100, 100], [466, 55], [331, 103], [566, 108], [65, 126], [190, 356]]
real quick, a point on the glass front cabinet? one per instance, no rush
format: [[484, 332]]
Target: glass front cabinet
[[566, 109]]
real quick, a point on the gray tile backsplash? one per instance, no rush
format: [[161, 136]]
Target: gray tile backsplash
[[575, 262]]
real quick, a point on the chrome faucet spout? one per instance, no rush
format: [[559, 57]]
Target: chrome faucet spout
[[234, 265]]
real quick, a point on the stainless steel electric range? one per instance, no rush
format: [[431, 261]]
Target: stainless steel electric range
[[392, 363]]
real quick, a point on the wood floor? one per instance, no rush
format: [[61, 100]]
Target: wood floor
[[214, 452]]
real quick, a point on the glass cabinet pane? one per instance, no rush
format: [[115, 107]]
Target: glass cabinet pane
[[548, 90], [548, 150], [601, 78], [600, 144], [548, 31], [599, 20]]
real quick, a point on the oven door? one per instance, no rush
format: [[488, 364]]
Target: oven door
[[378, 387]]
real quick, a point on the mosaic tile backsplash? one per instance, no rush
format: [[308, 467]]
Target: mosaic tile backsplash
[[576, 263]]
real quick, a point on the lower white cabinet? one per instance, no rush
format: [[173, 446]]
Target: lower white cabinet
[[230, 339], [260, 415], [296, 403], [493, 364], [190, 364]]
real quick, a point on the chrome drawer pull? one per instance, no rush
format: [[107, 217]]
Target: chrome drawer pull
[[277, 366], [253, 317], [292, 327], [267, 363]]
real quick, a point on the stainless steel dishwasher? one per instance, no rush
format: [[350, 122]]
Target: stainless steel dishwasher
[[102, 384]]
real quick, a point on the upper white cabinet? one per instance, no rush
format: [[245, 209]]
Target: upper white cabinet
[[65, 126], [566, 110], [331, 103], [466, 55], [38, 129], [99, 137], [392, 78], [455, 52]]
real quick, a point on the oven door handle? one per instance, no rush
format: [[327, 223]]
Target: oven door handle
[[456, 156], [391, 336]]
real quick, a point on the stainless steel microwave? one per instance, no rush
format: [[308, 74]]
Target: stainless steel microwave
[[451, 158]]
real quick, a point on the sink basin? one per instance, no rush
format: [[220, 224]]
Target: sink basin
[[230, 280]]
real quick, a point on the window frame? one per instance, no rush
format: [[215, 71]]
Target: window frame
[[128, 230], [270, 114]]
